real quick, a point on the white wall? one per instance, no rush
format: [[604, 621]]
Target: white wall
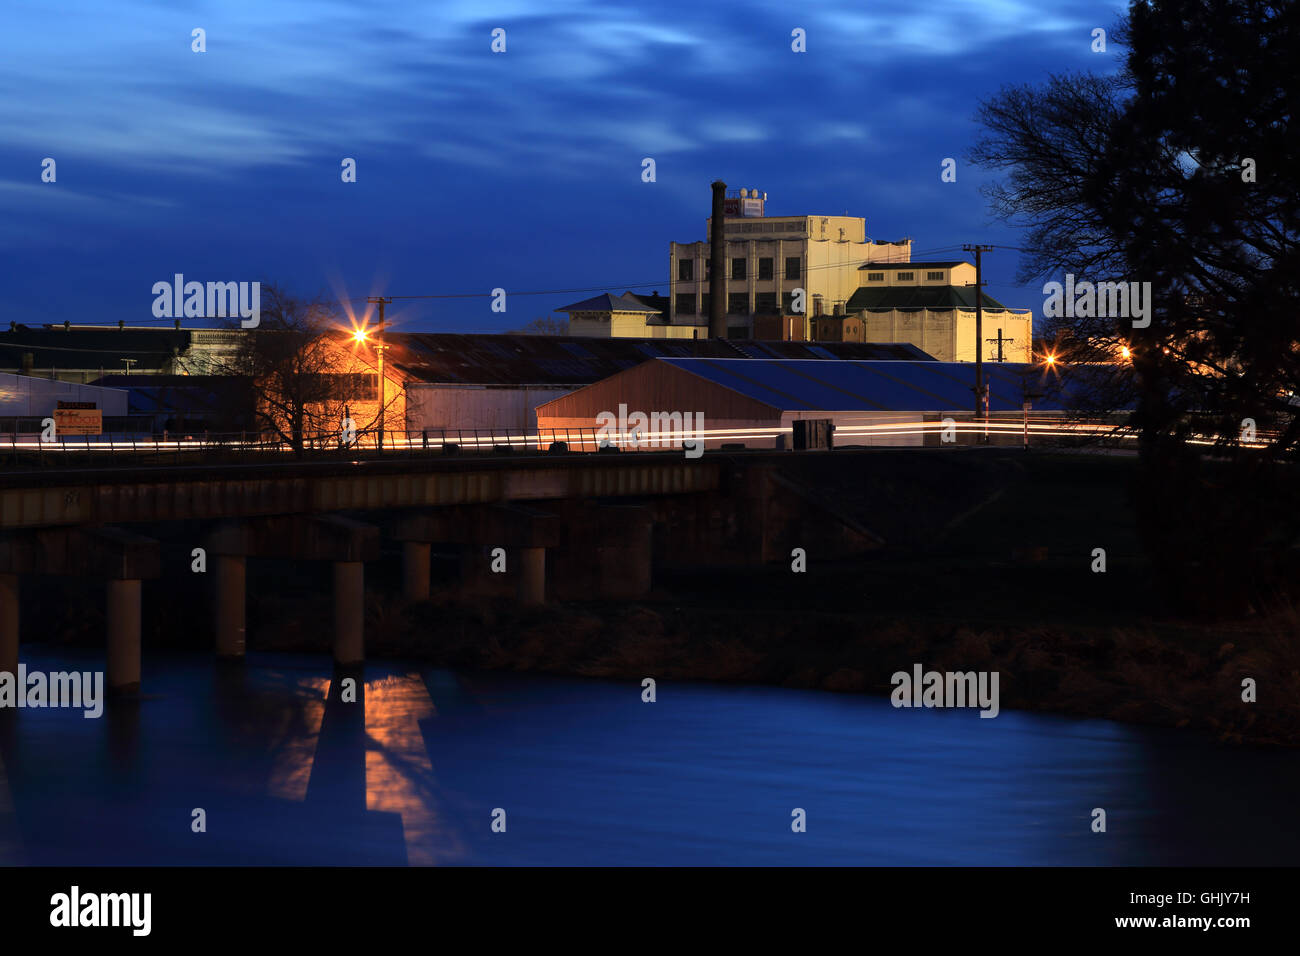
[[505, 408], [28, 396]]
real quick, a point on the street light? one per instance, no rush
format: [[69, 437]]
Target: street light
[[379, 348]]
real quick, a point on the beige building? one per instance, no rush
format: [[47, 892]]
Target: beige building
[[932, 305], [627, 316], [767, 259]]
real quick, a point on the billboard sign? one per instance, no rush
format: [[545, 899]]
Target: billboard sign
[[78, 418]]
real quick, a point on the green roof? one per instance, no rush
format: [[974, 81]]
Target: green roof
[[885, 298], [914, 265]]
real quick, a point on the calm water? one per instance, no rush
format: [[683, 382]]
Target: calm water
[[588, 774]]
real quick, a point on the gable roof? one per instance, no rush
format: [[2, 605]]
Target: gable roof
[[606, 302]]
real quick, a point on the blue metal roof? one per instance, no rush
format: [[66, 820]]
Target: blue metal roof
[[831, 385]]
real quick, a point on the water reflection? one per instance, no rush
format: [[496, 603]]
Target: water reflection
[[291, 771]]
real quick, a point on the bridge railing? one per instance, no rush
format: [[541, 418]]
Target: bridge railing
[[32, 451]]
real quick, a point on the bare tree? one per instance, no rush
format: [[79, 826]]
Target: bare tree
[[304, 368]]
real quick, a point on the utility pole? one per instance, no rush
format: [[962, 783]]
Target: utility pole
[[981, 393], [1000, 340], [379, 348]]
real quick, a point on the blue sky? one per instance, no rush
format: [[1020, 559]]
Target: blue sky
[[478, 170]]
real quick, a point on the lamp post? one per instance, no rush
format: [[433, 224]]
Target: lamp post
[[379, 349]]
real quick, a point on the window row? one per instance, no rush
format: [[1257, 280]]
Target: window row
[[740, 268], [737, 303]]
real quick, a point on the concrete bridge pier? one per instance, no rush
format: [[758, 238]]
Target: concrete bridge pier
[[349, 613], [523, 533], [123, 667], [532, 575], [231, 605], [123, 558], [9, 623], [415, 570], [347, 544]]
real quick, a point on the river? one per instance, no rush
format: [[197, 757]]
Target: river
[[586, 773]]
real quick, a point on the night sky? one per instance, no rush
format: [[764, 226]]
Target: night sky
[[475, 169]]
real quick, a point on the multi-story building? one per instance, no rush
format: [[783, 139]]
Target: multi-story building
[[930, 305], [768, 258]]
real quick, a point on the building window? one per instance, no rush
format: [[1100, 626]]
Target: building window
[[738, 303], [792, 267], [934, 277], [704, 303], [345, 386], [765, 303], [685, 303], [708, 269], [738, 268], [875, 277], [685, 270], [765, 268], [906, 276]]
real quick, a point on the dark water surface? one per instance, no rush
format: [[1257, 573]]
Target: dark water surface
[[589, 774]]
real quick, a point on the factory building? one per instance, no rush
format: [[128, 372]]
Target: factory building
[[495, 382], [768, 258], [84, 353], [26, 401], [932, 306], [755, 402]]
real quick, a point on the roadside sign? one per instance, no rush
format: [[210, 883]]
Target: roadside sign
[[79, 420]]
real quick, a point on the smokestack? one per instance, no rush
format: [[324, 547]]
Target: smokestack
[[717, 263]]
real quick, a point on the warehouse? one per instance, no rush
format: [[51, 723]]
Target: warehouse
[[756, 401], [495, 382]]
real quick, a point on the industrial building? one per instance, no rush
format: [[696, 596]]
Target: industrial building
[[84, 353], [932, 306], [624, 316], [767, 259], [755, 401], [495, 382], [854, 288], [26, 401]]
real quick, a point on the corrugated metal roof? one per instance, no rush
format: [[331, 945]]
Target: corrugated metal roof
[[487, 359], [845, 386]]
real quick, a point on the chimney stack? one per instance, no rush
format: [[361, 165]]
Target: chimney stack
[[717, 264]]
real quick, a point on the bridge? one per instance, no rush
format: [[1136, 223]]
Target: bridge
[[591, 518]]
